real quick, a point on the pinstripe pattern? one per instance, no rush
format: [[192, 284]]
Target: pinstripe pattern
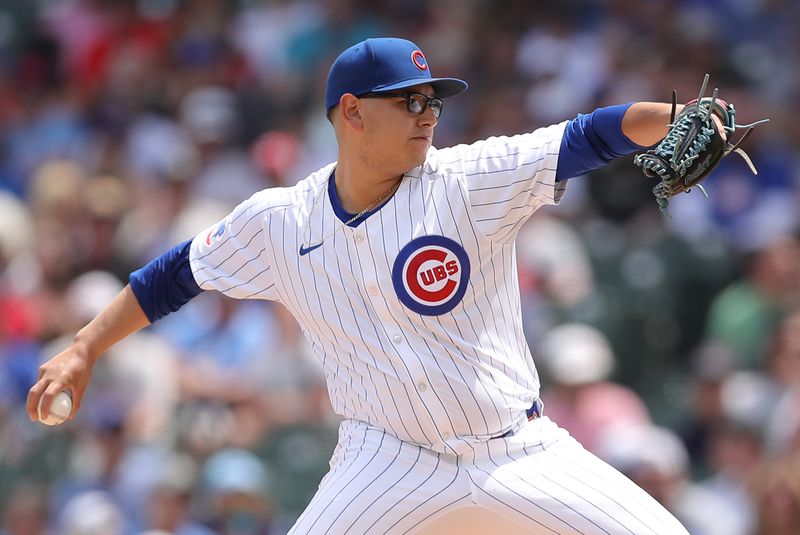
[[379, 484], [446, 381], [423, 389], [541, 475], [539, 478]]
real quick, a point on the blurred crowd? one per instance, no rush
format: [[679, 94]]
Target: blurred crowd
[[669, 345]]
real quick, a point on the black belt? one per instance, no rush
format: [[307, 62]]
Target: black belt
[[535, 411]]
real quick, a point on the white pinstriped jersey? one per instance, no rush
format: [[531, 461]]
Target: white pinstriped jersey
[[414, 313]]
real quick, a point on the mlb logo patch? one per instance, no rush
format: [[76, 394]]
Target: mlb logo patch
[[214, 235]]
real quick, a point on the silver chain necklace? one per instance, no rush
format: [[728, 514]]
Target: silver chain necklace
[[386, 194]]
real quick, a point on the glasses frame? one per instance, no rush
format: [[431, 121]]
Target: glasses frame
[[438, 103]]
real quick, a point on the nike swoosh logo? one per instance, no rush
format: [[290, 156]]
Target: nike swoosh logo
[[305, 250]]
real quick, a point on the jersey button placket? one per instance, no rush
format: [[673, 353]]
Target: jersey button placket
[[360, 239], [397, 339]]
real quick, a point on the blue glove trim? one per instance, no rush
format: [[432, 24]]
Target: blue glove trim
[[592, 140], [166, 283]]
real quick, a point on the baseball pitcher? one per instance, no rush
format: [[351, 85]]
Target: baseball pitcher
[[398, 262]]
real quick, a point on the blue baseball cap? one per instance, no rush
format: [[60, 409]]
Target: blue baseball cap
[[383, 65]]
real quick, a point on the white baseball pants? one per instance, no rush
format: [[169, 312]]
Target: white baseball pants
[[539, 479]]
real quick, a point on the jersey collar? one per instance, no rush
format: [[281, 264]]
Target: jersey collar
[[342, 214]]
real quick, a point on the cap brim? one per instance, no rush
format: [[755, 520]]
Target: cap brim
[[444, 87]]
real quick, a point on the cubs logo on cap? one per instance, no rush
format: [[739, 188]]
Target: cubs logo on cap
[[419, 60], [430, 275]]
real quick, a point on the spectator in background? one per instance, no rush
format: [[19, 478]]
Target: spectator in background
[[727, 427], [578, 360], [734, 449], [556, 275], [26, 512], [91, 513], [783, 367], [16, 228], [225, 172], [775, 488], [655, 459], [237, 487], [96, 469], [19, 321], [247, 361], [744, 315], [783, 362], [711, 365], [170, 501]]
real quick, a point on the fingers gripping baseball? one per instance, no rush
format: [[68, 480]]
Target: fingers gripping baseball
[[68, 371]]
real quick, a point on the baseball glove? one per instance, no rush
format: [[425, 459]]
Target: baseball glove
[[694, 146]]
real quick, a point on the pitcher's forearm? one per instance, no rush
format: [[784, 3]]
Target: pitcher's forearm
[[645, 123], [121, 318]]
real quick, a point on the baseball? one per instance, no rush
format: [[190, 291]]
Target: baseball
[[59, 410]]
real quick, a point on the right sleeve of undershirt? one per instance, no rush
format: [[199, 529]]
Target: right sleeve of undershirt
[[232, 255], [165, 284]]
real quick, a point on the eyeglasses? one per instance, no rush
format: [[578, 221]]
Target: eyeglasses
[[415, 102]]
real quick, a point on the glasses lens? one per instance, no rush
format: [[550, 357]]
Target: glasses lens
[[435, 105], [416, 103]]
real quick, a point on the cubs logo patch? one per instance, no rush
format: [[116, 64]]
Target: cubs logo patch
[[214, 235], [419, 60], [430, 275]]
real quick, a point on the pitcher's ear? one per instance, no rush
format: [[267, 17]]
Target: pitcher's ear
[[350, 110]]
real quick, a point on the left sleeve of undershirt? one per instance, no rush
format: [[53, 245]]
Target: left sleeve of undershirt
[[592, 140], [166, 283]]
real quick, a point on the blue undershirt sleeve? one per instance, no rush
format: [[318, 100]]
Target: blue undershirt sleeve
[[592, 140], [166, 283]]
